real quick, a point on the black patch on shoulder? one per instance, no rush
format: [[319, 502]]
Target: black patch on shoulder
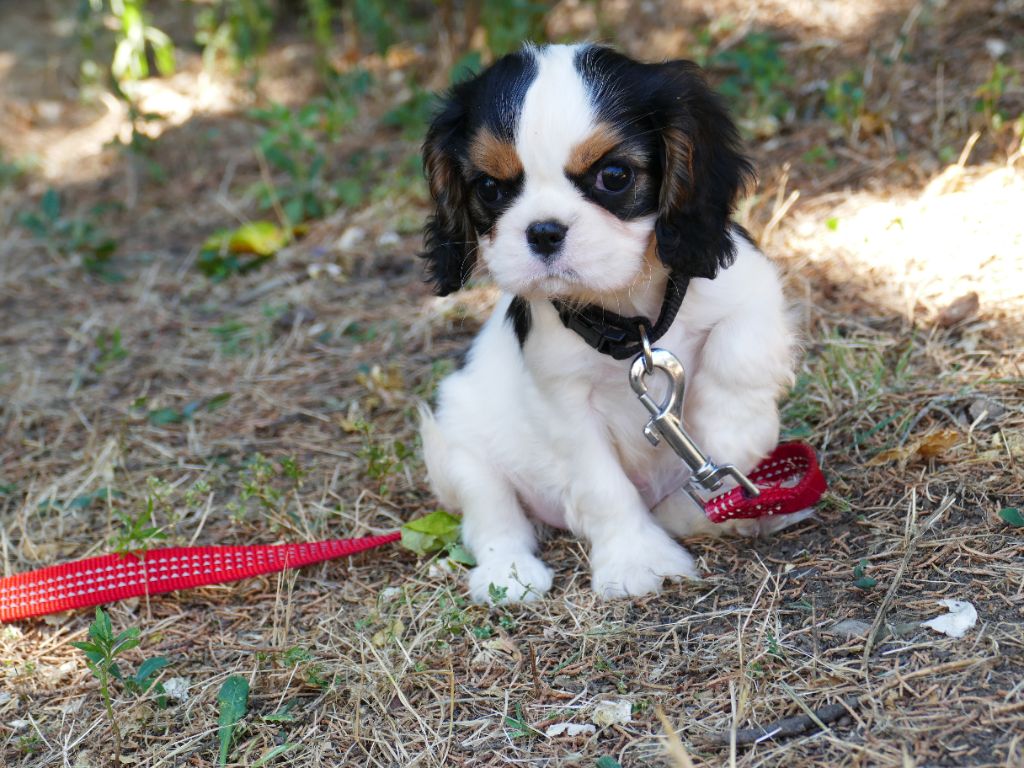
[[519, 316]]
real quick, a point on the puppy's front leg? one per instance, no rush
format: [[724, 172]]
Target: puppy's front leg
[[497, 532], [731, 406], [630, 554]]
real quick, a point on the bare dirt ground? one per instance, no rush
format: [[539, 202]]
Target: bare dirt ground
[[280, 406]]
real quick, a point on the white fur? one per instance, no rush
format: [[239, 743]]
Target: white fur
[[552, 432]]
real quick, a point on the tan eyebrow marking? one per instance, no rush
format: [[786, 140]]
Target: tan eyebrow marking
[[600, 142], [494, 157]]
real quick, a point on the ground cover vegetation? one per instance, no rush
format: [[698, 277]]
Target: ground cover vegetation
[[214, 330]]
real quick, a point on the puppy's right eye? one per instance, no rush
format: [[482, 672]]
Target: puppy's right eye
[[489, 191]]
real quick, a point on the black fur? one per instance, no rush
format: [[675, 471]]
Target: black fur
[[519, 316], [493, 99], [698, 164]]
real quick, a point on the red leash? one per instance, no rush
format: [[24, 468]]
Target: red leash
[[790, 480]]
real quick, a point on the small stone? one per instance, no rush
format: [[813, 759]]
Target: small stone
[[996, 48], [985, 410], [612, 713], [849, 628]]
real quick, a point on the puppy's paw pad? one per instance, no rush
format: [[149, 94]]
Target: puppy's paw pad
[[641, 570], [521, 579]]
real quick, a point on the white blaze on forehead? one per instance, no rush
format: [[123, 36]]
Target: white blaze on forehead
[[556, 116]]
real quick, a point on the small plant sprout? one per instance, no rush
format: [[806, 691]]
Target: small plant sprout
[[137, 532], [71, 237], [861, 580], [101, 653]]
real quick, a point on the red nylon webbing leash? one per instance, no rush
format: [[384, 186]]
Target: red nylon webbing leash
[[789, 480], [104, 579]]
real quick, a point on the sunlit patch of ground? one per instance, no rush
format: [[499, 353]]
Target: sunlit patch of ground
[[925, 253]]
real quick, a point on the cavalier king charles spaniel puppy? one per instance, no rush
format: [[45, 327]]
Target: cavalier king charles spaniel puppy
[[586, 182]]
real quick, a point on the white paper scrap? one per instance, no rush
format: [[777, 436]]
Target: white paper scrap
[[569, 729]]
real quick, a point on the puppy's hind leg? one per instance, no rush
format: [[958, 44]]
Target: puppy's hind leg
[[495, 529]]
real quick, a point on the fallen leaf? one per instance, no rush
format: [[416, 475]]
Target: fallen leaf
[[935, 444], [931, 446], [961, 617], [959, 310]]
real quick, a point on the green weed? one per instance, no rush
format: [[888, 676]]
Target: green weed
[[138, 532], [233, 701], [991, 92], [80, 238], [102, 652], [860, 578], [755, 79], [844, 99], [109, 348], [293, 147]]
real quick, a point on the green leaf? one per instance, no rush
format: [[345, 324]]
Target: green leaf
[[148, 668], [233, 700], [163, 416], [218, 401], [1013, 516], [50, 204], [607, 761], [283, 715], [865, 582], [459, 554], [275, 752], [431, 533]]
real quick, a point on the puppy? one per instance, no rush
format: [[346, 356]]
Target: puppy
[[590, 185]]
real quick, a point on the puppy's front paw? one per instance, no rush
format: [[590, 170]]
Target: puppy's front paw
[[641, 566], [509, 579]]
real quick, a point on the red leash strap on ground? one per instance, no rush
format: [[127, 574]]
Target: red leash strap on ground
[[108, 578], [789, 480]]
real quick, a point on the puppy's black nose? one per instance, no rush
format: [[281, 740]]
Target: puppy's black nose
[[546, 238]]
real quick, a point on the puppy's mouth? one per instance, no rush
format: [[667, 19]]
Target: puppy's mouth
[[555, 282]]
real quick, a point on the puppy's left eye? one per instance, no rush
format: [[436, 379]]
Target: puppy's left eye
[[614, 178], [490, 191]]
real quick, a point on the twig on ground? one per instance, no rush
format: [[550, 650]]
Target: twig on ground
[[788, 726]]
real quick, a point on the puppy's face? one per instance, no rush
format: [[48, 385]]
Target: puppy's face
[[556, 166]]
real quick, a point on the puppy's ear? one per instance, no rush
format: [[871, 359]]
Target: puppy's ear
[[703, 171], [449, 236]]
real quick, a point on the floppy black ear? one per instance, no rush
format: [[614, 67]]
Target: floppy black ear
[[449, 235], [703, 171]]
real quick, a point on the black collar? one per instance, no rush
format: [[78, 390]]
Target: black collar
[[618, 336]]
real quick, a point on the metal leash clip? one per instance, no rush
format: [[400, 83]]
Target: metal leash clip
[[667, 423]]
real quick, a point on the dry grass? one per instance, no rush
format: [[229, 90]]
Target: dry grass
[[379, 659]]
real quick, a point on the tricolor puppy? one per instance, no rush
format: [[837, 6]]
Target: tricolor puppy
[[592, 186]]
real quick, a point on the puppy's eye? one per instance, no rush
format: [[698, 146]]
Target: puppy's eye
[[489, 191], [614, 178]]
